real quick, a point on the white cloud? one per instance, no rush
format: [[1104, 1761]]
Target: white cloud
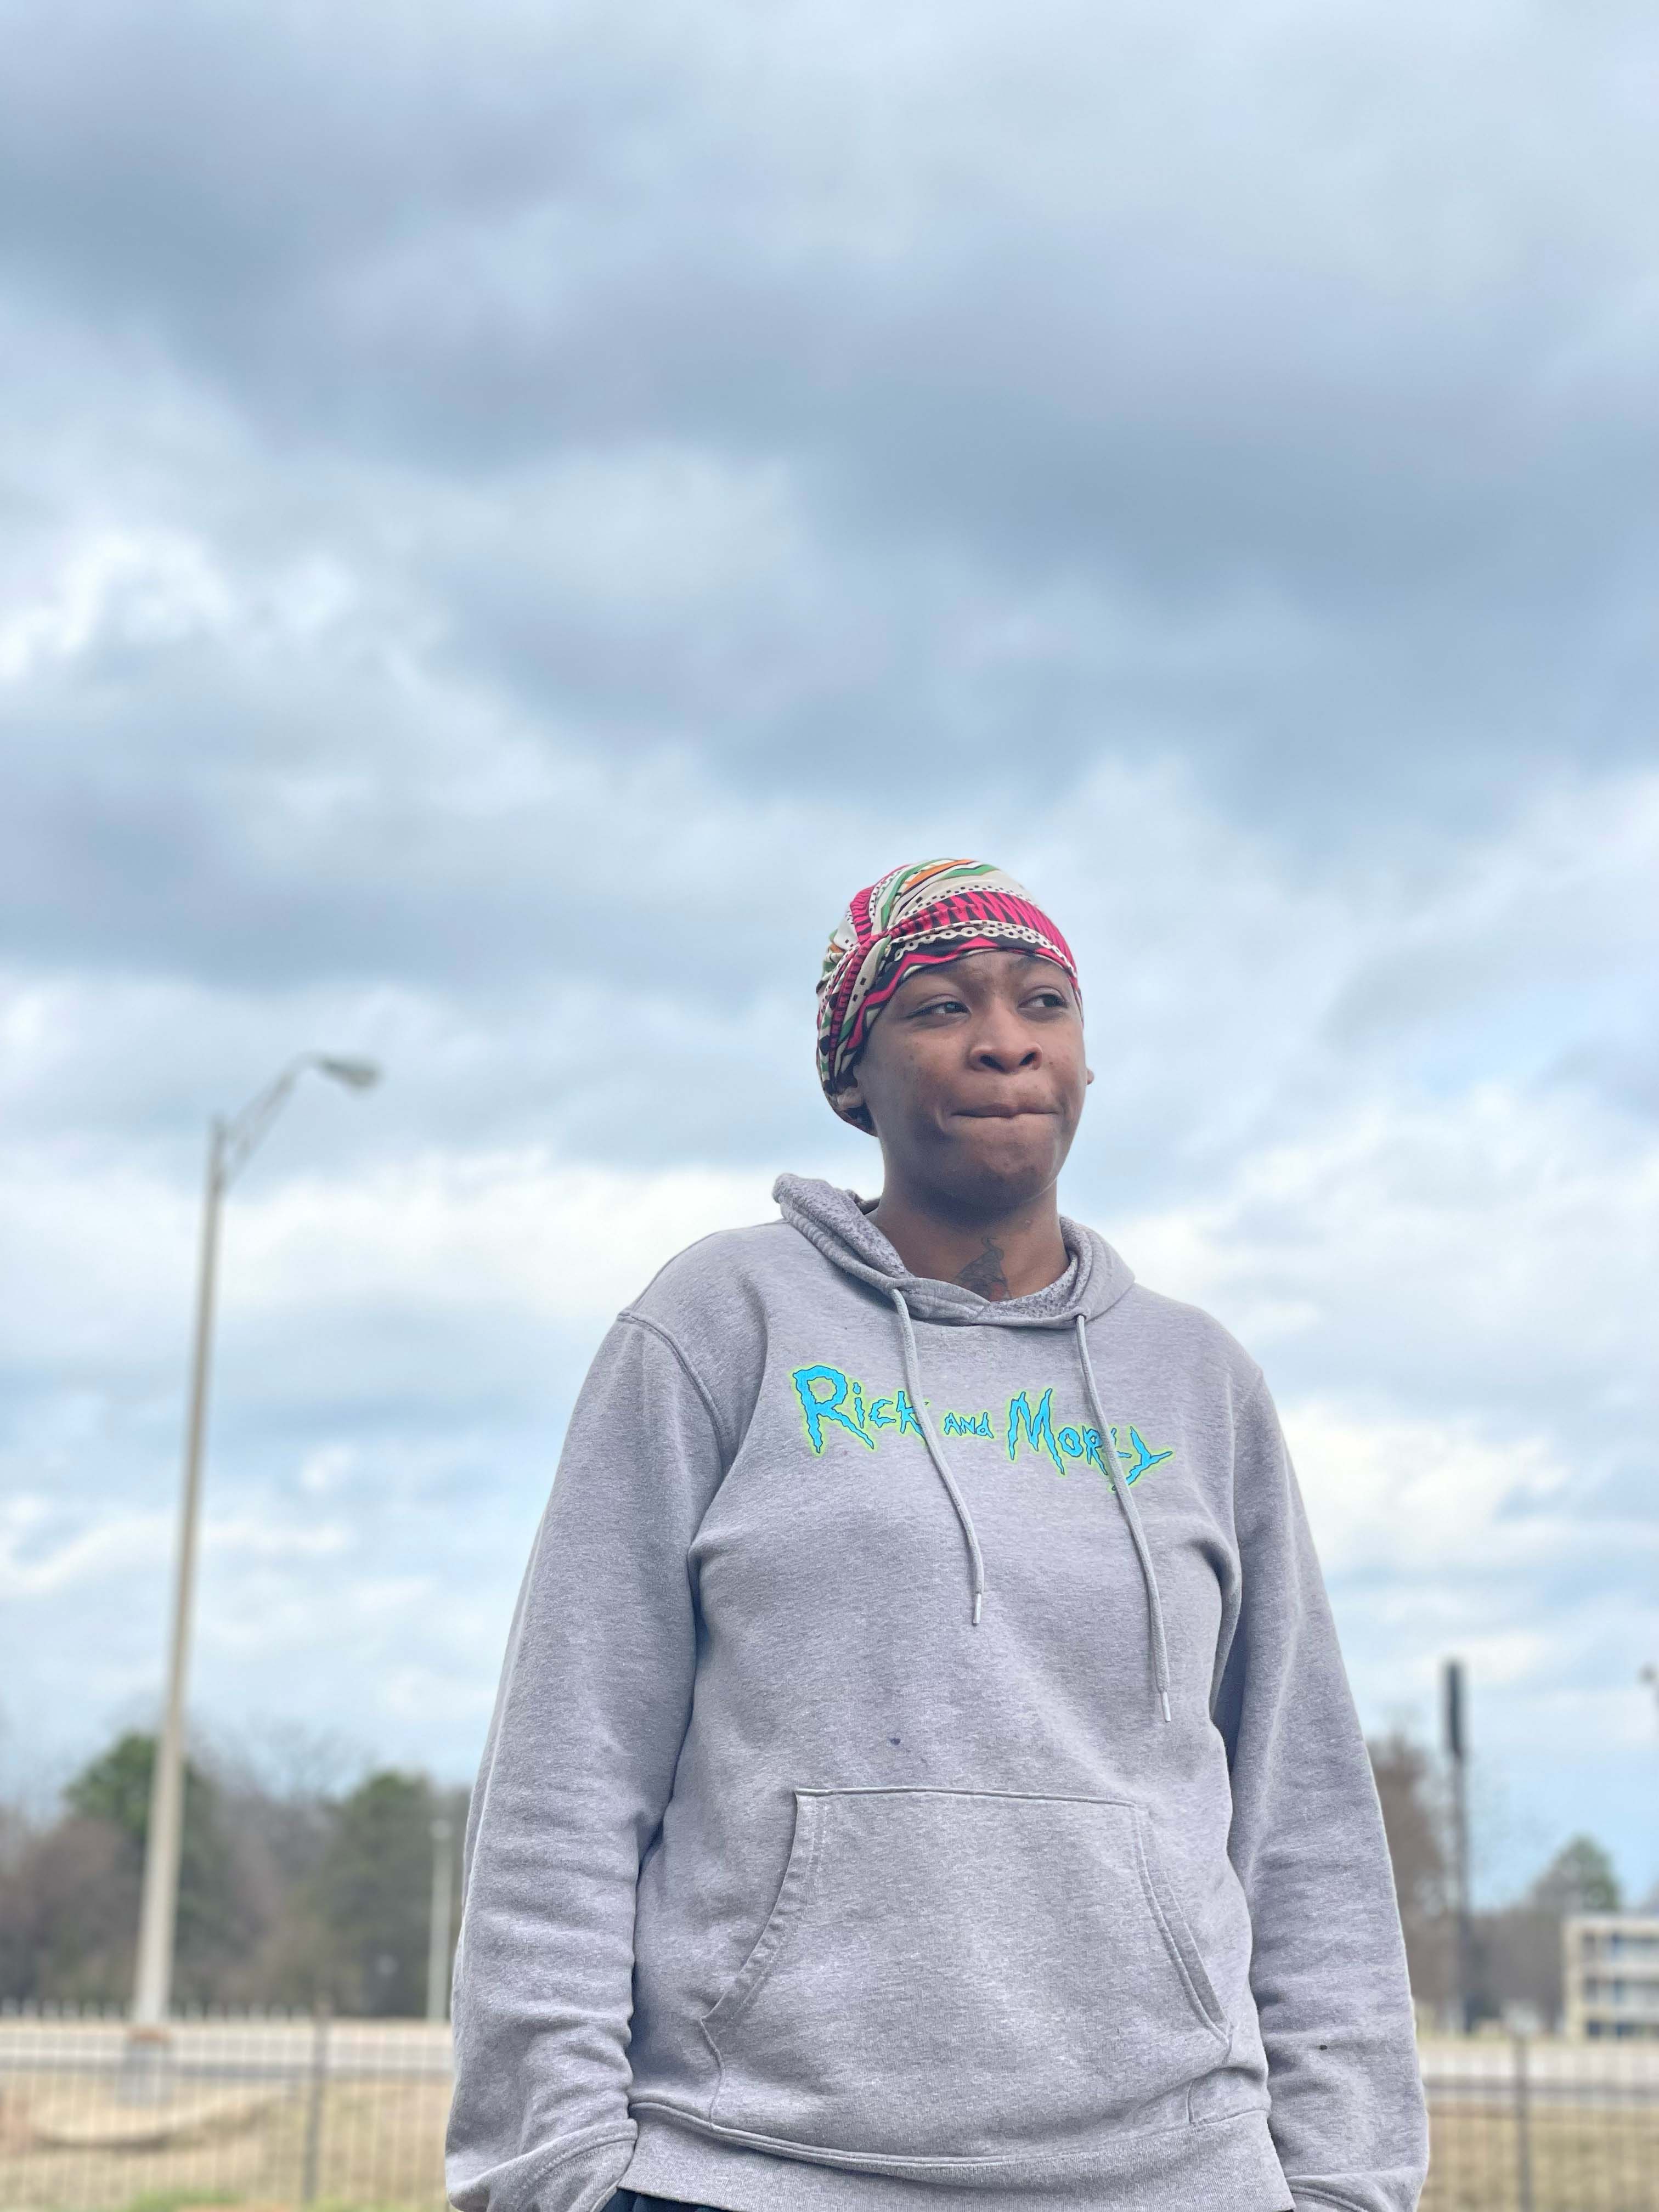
[[123, 587], [1490, 1250], [548, 1238], [1433, 1498], [33, 1566]]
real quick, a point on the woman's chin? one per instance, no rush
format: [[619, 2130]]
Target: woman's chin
[[1005, 1171]]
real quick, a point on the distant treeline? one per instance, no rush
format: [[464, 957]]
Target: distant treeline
[[288, 1896]]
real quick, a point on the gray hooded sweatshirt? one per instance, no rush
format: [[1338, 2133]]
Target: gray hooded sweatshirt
[[923, 1775]]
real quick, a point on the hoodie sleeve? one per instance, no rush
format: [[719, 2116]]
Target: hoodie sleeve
[[593, 1705], [1328, 1971]]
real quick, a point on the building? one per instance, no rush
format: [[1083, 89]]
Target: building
[[1610, 1973]]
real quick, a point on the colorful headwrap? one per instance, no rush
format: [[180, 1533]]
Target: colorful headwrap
[[916, 917]]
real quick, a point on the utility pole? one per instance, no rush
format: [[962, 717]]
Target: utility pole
[[230, 1145], [1456, 1744], [164, 1836], [437, 1950]]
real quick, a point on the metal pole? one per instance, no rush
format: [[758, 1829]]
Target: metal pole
[[1457, 1754], [229, 1146], [164, 1838], [311, 2157], [1522, 2128], [437, 1954]]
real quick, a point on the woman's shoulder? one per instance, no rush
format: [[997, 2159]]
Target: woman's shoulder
[[714, 1303], [717, 1292], [726, 1264], [1188, 1335]]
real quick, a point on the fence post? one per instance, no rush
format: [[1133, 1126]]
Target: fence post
[[1523, 2128], [314, 2145]]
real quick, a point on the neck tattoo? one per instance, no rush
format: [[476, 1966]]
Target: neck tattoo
[[984, 1274]]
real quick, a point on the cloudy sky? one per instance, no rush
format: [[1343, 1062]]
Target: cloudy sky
[[511, 512]]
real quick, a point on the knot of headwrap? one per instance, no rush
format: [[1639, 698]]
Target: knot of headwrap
[[916, 917]]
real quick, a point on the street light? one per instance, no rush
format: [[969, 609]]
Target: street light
[[230, 1145], [1458, 1753], [437, 1949]]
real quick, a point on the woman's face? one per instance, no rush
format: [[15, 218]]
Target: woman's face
[[974, 1076]]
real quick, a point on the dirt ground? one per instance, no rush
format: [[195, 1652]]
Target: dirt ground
[[1580, 2158], [378, 2144], [379, 2148]]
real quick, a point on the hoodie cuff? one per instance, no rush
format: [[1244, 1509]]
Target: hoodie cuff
[[577, 2177], [1319, 2196]]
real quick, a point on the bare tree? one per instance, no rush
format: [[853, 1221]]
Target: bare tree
[[1414, 1818]]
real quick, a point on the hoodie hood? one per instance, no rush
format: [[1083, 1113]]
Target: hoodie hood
[[837, 1223]]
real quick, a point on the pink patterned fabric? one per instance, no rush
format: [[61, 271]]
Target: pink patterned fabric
[[918, 916]]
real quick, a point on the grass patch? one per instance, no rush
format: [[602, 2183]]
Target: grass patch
[[179, 2199]]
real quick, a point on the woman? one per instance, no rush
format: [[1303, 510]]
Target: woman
[[923, 1773]]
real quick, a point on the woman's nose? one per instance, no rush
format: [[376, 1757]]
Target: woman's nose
[[1005, 1046]]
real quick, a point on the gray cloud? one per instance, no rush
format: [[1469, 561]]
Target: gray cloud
[[1280, 404]]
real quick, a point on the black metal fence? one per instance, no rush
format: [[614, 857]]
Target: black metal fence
[[1525, 2124], [274, 2110], [258, 2110]]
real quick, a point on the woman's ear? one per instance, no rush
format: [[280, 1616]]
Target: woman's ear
[[849, 1103]]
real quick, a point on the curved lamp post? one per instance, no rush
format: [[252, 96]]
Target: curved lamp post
[[230, 1145]]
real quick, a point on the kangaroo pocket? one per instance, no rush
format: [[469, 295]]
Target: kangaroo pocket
[[960, 1974]]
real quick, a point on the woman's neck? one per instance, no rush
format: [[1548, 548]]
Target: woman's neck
[[1005, 1258]]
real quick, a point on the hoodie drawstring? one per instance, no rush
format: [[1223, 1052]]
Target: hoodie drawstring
[[1132, 1516], [936, 1450], [1114, 1474]]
